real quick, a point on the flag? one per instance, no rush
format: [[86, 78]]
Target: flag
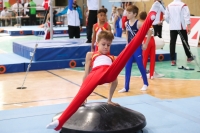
[[70, 4]]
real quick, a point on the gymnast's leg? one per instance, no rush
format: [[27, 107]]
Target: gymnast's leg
[[128, 69], [89, 84], [152, 58], [139, 60]]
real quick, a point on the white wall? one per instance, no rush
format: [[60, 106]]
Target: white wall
[[109, 5]]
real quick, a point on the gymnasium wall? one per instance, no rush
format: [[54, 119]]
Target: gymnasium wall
[[192, 4], [109, 5]]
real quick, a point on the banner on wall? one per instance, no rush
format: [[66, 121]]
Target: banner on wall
[[1, 5], [193, 37]]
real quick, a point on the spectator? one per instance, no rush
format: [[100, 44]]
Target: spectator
[[157, 24], [93, 7], [177, 15], [75, 20], [32, 12], [5, 17], [17, 8], [26, 10]]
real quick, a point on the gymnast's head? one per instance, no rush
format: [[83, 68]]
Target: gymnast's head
[[142, 15], [104, 41], [101, 15], [132, 11]]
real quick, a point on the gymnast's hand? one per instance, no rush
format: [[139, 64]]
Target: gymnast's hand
[[92, 49], [114, 104], [144, 46]]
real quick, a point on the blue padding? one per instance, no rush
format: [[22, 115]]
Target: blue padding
[[62, 35], [48, 50], [35, 30], [13, 62], [165, 54], [54, 64], [16, 63], [10, 68]]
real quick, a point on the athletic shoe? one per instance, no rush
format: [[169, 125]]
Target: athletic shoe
[[122, 90], [88, 41], [173, 63], [190, 59], [144, 88]]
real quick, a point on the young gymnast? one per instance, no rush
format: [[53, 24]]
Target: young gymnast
[[101, 25], [118, 23], [132, 27], [150, 51], [104, 70]]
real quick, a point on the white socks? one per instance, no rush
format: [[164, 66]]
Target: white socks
[[122, 90], [144, 88], [53, 125]]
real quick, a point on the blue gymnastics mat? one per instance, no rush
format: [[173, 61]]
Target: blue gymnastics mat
[[35, 30], [15, 63], [162, 116], [61, 49]]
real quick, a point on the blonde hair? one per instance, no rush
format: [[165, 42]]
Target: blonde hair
[[119, 8], [107, 35]]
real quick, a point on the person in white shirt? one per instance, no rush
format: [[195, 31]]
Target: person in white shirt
[[26, 9], [177, 14], [5, 16], [157, 24], [75, 19], [17, 8], [93, 7]]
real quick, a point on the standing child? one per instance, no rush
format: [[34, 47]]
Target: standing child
[[113, 14], [150, 51], [101, 25], [132, 27], [104, 70], [118, 23]]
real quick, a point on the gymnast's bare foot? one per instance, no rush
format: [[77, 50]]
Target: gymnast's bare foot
[[84, 102], [53, 125], [112, 103]]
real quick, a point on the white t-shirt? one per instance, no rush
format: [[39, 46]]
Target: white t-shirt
[[5, 14], [15, 6], [93, 4], [25, 7]]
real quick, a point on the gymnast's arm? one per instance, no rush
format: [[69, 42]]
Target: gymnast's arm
[[149, 33], [87, 64], [114, 22], [113, 87], [109, 28], [93, 38], [126, 32]]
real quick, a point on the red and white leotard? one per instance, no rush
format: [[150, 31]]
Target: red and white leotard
[[97, 30], [99, 59]]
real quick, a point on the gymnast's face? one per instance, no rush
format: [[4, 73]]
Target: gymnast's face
[[130, 15], [102, 17], [104, 46]]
